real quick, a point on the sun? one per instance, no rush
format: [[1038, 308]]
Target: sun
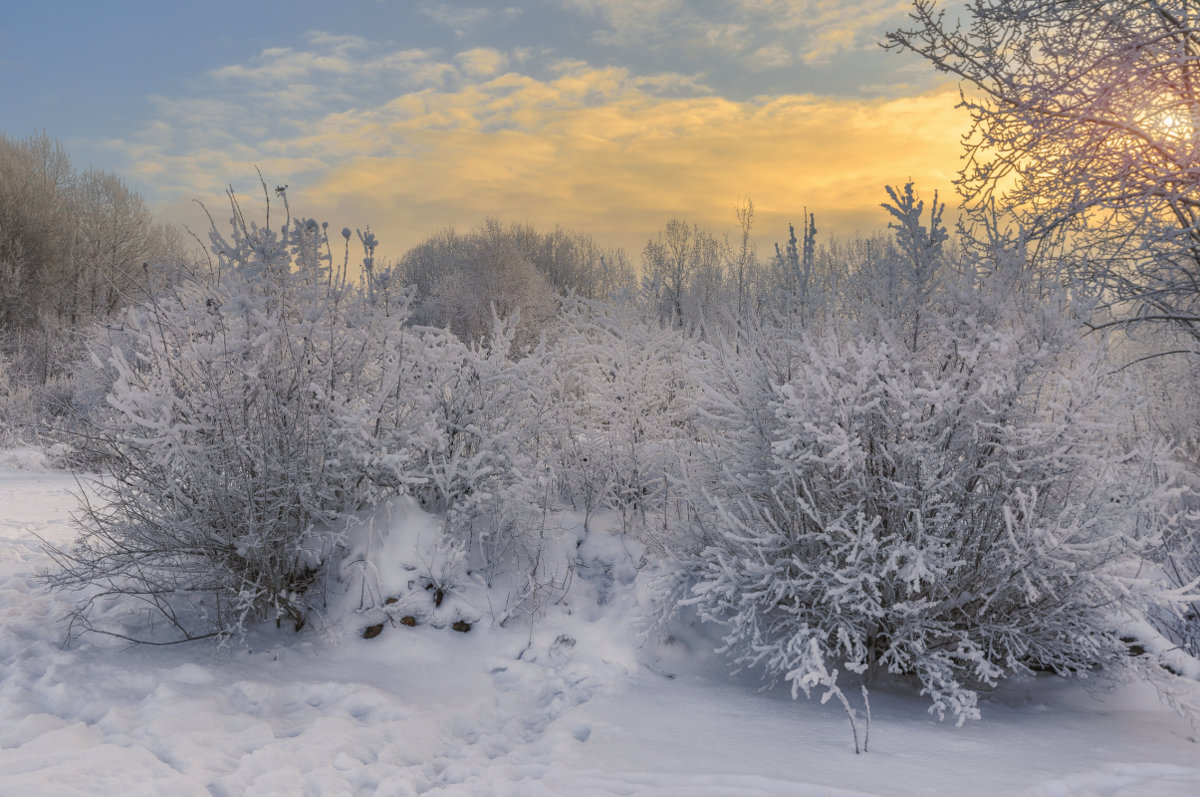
[[1172, 124], [1176, 125]]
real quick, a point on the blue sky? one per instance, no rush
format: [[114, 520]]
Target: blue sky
[[608, 117]]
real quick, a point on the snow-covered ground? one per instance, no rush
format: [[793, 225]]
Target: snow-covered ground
[[574, 706]]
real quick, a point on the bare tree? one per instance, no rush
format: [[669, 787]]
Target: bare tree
[[1084, 122], [75, 247], [487, 273], [683, 273], [745, 263], [513, 268]]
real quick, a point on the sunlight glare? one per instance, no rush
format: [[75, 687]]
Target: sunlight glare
[[1175, 125]]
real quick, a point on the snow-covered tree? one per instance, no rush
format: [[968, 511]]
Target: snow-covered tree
[[683, 274], [796, 285], [75, 247], [512, 268], [1084, 120], [574, 263]]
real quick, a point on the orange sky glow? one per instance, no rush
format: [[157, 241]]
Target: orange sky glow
[[605, 117]]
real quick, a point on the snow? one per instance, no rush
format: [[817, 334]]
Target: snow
[[576, 704]]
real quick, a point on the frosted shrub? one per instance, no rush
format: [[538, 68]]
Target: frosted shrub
[[232, 445], [18, 405], [1179, 558], [467, 440], [626, 403], [955, 513], [930, 486]]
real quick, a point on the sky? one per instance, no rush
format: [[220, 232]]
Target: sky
[[607, 117]]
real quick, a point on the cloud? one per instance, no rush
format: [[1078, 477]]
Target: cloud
[[409, 141], [481, 61], [759, 34], [462, 20], [325, 65], [330, 55], [634, 22], [620, 169], [769, 56]]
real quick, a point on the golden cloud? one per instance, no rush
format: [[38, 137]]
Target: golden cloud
[[594, 150], [591, 153]]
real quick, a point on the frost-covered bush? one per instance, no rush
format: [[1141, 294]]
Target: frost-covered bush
[[944, 498], [625, 405], [464, 429], [232, 445], [489, 424], [1179, 559], [19, 414], [44, 412]]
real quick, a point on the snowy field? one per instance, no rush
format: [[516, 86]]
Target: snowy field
[[574, 706]]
